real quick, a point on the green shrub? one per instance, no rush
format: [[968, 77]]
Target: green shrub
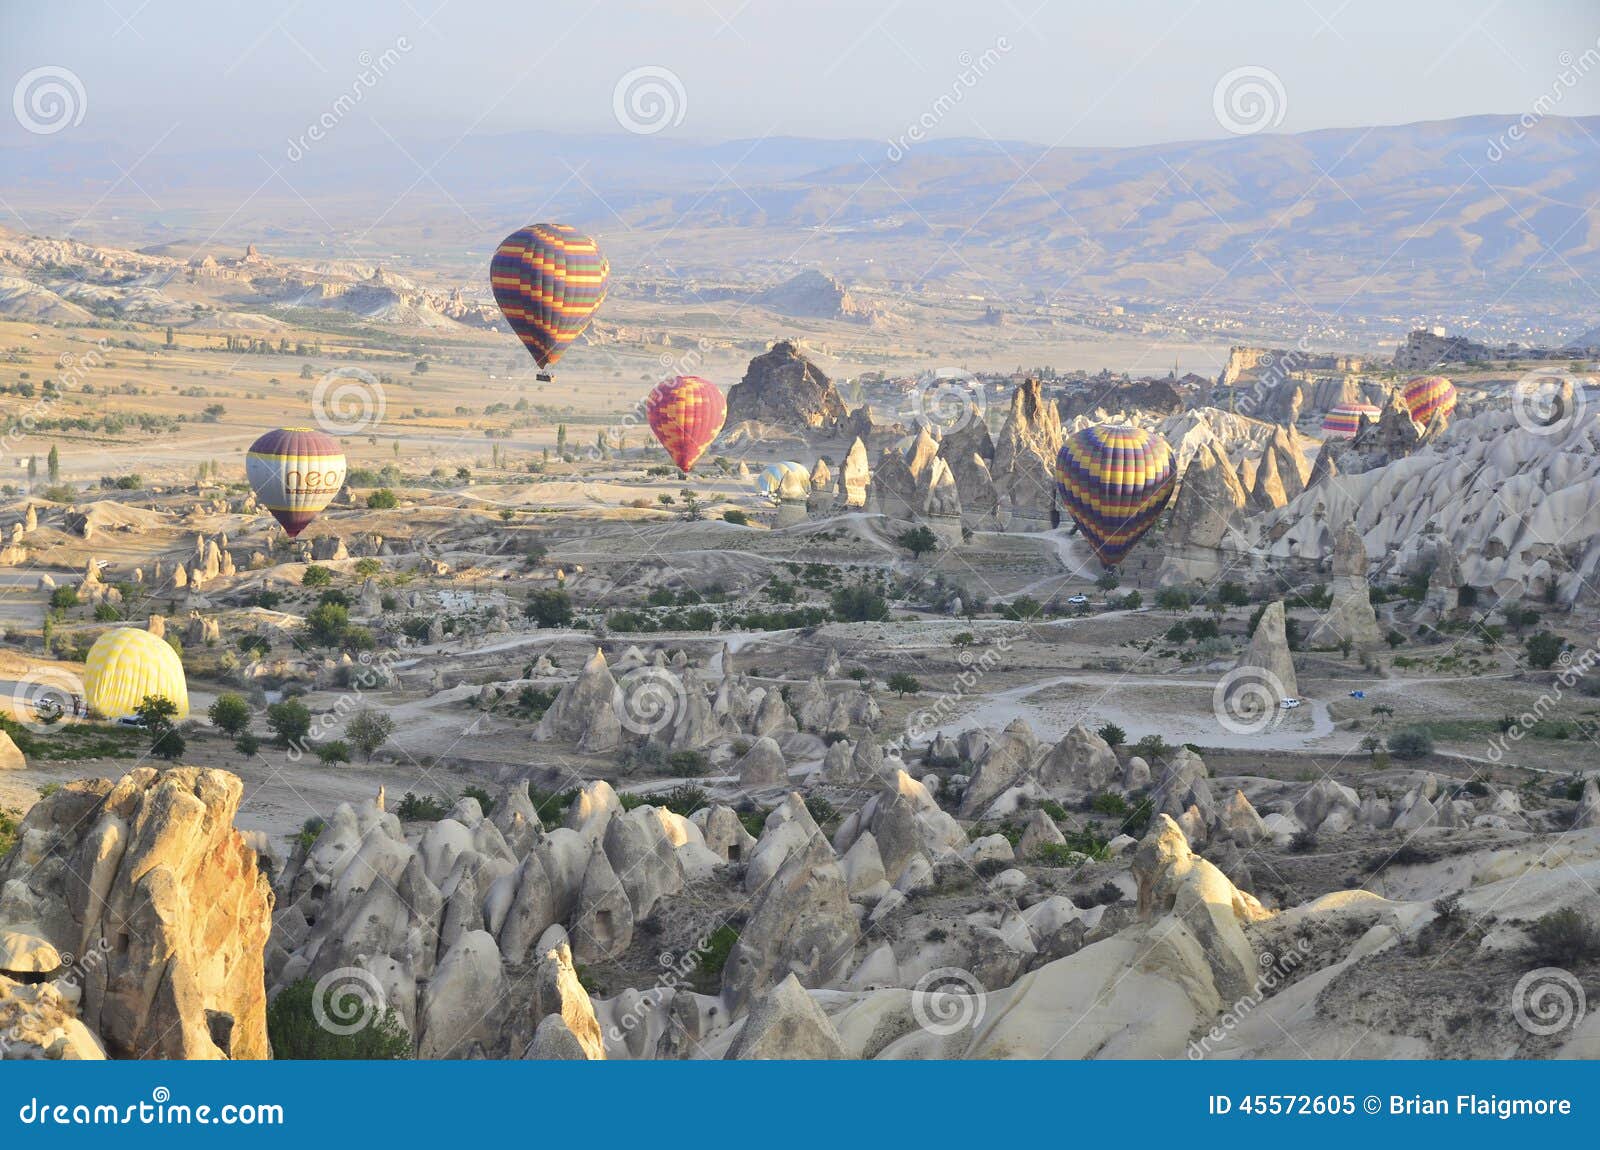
[[712, 958], [485, 799], [551, 805], [1411, 743], [420, 808], [296, 1033], [334, 751], [736, 517], [316, 577], [1564, 938], [1114, 735], [382, 500]]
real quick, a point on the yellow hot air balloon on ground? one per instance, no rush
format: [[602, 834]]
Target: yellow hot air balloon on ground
[[127, 664]]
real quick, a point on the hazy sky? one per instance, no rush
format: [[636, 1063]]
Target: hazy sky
[[185, 72]]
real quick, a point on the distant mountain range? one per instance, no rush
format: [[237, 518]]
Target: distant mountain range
[[1450, 214]]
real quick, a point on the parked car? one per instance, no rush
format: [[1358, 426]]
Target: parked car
[[1290, 703], [1079, 600]]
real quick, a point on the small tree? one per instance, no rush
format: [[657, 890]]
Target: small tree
[[382, 499], [337, 751], [157, 712], [904, 684], [1108, 581], [230, 714], [735, 516], [327, 624], [1114, 735], [296, 1030], [1544, 649], [1152, 747], [289, 720], [369, 729], [316, 577], [53, 464], [1411, 743], [919, 541], [549, 608]]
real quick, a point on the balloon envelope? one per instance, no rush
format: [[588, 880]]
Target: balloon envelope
[[1428, 395], [686, 413], [295, 473], [1115, 480], [1344, 419], [548, 280], [127, 664], [770, 478]]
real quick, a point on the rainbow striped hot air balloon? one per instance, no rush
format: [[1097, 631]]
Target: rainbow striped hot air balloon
[[1115, 480], [686, 413], [127, 664], [295, 473], [1429, 395], [1344, 419], [548, 280]]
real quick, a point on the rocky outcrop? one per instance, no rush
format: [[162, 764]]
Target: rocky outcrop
[[784, 388], [786, 1023], [1350, 617], [585, 710], [147, 879], [1024, 459], [1269, 652], [855, 476]]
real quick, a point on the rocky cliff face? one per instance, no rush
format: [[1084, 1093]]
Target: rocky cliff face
[[815, 295], [784, 388], [163, 904], [1025, 456]]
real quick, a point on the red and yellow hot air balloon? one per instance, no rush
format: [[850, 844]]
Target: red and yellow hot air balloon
[[548, 280], [1429, 395], [1114, 480], [295, 473], [686, 412], [1344, 419]]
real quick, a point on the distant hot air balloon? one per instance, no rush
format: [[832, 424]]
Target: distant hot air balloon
[[1344, 419], [127, 664], [686, 413], [548, 280], [295, 473], [769, 480], [1428, 395], [1115, 480]]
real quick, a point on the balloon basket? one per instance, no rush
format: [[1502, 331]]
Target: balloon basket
[[544, 377]]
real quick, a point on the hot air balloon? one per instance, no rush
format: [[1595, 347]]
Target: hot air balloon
[[1114, 480], [1427, 396], [126, 665], [548, 280], [295, 473], [686, 413], [769, 480], [1344, 419]]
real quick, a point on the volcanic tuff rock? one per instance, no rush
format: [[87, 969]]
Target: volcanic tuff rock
[[814, 295], [1350, 616], [1025, 456], [1269, 651], [784, 388], [149, 875]]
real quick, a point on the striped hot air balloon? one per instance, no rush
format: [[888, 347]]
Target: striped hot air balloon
[[1428, 395], [769, 480], [1344, 419], [295, 473], [1115, 480], [548, 280], [126, 665], [686, 413]]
